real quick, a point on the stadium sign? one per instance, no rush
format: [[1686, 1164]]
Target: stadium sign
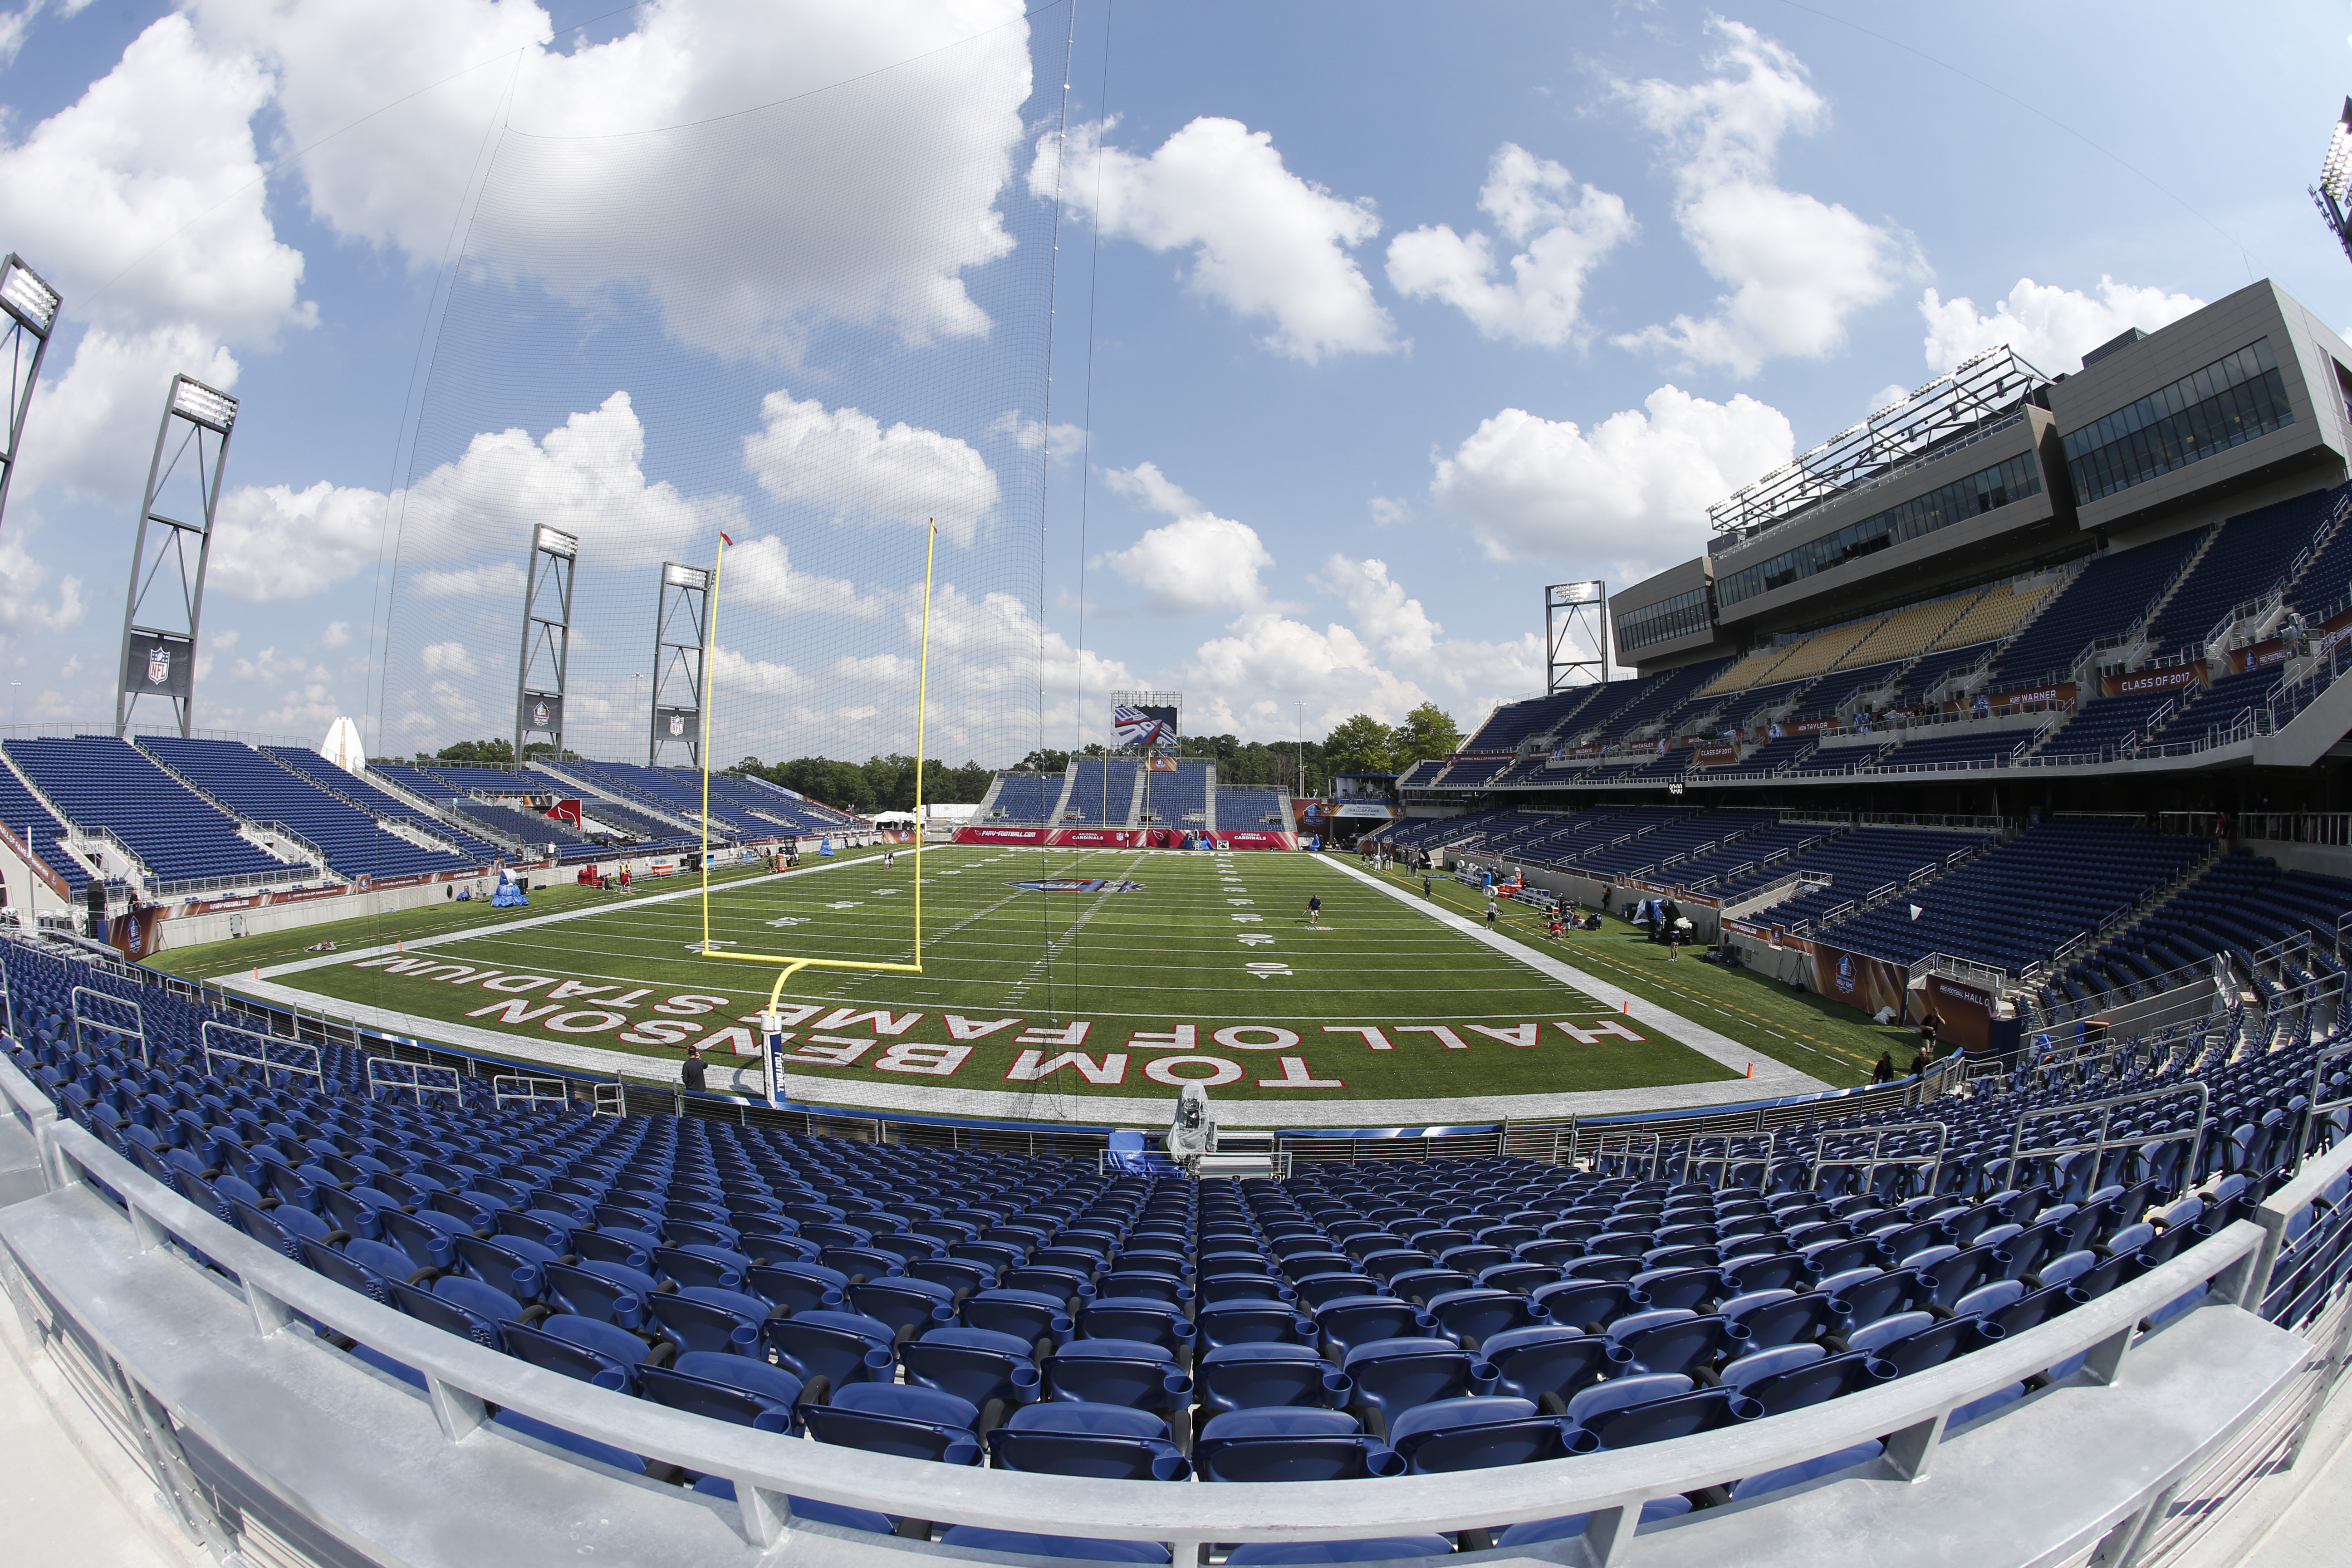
[[1715, 756], [2144, 680]]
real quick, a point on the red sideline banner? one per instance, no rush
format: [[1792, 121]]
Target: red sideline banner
[[2141, 680], [1963, 1012], [1121, 837], [1869, 984]]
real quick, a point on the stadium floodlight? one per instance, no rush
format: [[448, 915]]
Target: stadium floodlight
[[32, 309], [1576, 634], [165, 603], [2335, 175], [546, 661], [681, 643]]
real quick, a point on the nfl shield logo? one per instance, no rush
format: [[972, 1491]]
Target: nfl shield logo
[[159, 666], [538, 710], [677, 723]]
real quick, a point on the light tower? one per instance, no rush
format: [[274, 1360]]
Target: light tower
[[2335, 174], [166, 601], [681, 642], [546, 637], [1576, 634], [32, 308]]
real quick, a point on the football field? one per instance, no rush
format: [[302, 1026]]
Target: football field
[[1053, 977]]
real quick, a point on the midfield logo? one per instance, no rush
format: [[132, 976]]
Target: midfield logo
[[1079, 885]]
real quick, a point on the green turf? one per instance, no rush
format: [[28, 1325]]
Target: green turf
[[1174, 955], [1835, 1043]]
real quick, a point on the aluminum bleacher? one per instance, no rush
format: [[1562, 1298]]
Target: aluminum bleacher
[[356, 788], [1025, 797], [184, 841], [259, 789], [1102, 790], [1248, 808], [2016, 905], [2102, 600], [30, 821]]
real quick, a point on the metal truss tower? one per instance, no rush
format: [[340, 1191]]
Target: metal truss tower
[[32, 309], [681, 643], [546, 637], [1576, 634], [166, 604]]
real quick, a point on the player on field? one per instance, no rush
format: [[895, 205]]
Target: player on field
[[1315, 910]]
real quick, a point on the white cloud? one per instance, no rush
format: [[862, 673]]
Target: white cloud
[[22, 581], [1264, 243], [1621, 501], [1797, 266], [1411, 640], [759, 576], [1197, 563], [1563, 229], [1388, 510], [275, 543], [586, 477], [498, 580], [746, 245], [449, 658], [846, 466], [91, 431], [1266, 662], [1145, 483], [148, 183], [1066, 441], [337, 634], [2051, 327]]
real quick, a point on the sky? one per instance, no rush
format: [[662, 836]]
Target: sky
[[1367, 320]]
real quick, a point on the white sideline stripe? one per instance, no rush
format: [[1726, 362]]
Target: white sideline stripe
[[468, 933], [920, 1097], [1773, 1077]]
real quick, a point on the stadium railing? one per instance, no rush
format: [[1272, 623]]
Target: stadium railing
[[246, 1421]]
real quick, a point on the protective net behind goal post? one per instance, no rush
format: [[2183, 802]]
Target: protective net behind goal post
[[820, 328]]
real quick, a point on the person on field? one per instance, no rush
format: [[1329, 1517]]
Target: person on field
[[1885, 1071], [1315, 910], [690, 1073], [1193, 1133], [1427, 890], [1491, 914]]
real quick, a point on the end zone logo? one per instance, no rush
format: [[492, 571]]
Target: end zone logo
[[1079, 885]]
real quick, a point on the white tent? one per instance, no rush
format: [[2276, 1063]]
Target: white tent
[[342, 747]]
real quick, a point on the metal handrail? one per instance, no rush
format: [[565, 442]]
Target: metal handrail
[[464, 1380], [1877, 1157], [2107, 1109], [138, 1031], [205, 1030], [384, 1075], [527, 1091]]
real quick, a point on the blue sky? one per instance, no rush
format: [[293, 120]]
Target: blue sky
[[1400, 311]]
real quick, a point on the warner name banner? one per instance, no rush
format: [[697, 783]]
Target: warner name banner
[[1869, 984], [2140, 680], [2023, 697], [1963, 1012]]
